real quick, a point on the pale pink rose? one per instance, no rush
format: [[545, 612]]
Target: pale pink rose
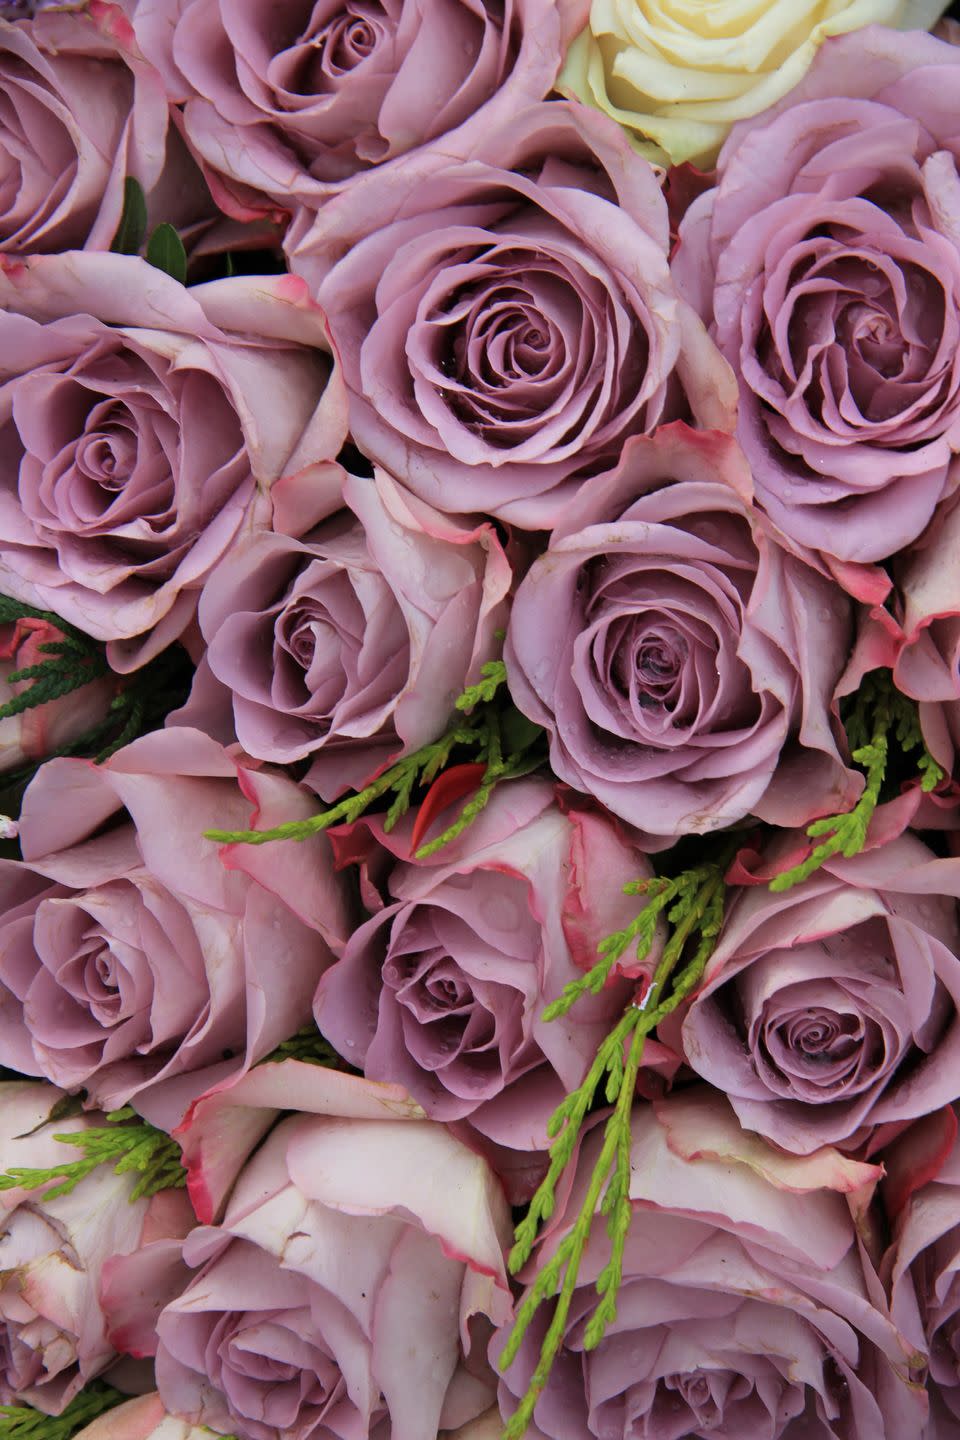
[[53, 1331], [922, 1265], [350, 645], [826, 263], [285, 104], [747, 1307], [39, 731], [144, 969], [81, 111], [142, 426], [682, 663], [506, 322], [346, 1238], [141, 1419], [442, 990], [832, 1008]]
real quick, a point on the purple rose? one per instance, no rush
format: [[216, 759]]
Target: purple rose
[[140, 968], [350, 1289], [923, 1262], [826, 261], [681, 662], [142, 426], [747, 1307], [925, 647], [287, 102], [831, 1008], [81, 111], [351, 645], [504, 324], [442, 990]]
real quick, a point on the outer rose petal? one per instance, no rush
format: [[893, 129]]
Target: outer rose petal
[[143, 1418], [222, 1127]]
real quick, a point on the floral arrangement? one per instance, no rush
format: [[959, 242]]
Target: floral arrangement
[[479, 703]]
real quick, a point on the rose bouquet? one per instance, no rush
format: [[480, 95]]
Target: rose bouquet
[[479, 707]]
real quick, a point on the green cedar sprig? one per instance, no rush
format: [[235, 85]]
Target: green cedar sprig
[[879, 711], [22, 1422], [694, 904], [137, 1147], [75, 661], [501, 739], [309, 1047]]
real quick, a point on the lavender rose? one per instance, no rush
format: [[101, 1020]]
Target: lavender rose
[[138, 968], [53, 1329], [831, 1008], [681, 662], [81, 111], [921, 1264], [746, 1308], [349, 646], [505, 324], [286, 103], [826, 260], [299, 1315], [925, 645], [442, 990], [141, 428]]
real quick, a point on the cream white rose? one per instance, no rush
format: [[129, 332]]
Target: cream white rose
[[678, 73]]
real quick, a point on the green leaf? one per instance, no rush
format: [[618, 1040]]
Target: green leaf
[[133, 221], [165, 252], [22, 1422]]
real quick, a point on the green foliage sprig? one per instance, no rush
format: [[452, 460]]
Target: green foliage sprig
[[879, 711], [496, 736], [74, 661], [22, 1422], [141, 701], [130, 1148], [310, 1048], [693, 904]]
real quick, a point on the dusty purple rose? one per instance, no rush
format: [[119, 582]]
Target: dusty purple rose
[[925, 645], [504, 324], [923, 1262], [351, 645], [80, 112], [826, 261], [747, 1309], [288, 101], [53, 1330], [350, 1289], [141, 428], [442, 990], [831, 1008], [681, 662], [140, 968]]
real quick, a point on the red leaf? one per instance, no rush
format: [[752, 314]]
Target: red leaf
[[449, 787]]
